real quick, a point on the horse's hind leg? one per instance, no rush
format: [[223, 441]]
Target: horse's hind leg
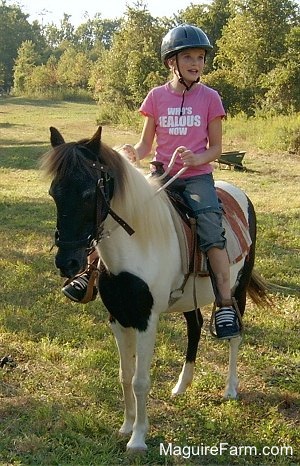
[[231, 387], [126, 343], [194, 321], [240, 294]]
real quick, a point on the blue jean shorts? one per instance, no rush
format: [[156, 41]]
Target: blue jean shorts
[[201, 196]]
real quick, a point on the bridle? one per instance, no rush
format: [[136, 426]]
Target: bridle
[[104, 193]]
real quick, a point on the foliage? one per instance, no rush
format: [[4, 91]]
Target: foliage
[[254, 63], [252, 43], [132, 65], [283, 81], [73, 69], [238, 51], [96, 31], [15, 29], [24, 67]]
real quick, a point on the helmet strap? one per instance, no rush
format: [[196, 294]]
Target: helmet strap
[[182, 81]]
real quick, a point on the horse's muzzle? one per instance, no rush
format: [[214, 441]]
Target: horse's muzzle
[[69, 266]]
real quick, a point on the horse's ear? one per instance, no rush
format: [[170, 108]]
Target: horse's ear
[[56, 138], [94, 143]]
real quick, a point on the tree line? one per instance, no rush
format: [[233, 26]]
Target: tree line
[[254, 64]]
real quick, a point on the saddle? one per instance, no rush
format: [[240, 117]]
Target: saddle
[[238, 240]]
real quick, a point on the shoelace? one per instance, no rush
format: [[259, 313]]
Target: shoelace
[[225, 317], [80, 282]]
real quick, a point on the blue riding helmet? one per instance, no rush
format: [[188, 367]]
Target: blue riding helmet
[[183, 37]]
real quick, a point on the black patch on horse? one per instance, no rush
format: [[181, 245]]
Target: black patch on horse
[[127, 298]]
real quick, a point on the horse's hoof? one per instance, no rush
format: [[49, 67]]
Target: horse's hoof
[[125, 429], [178, 390], [136, 450], [230, 395], [124, 433]]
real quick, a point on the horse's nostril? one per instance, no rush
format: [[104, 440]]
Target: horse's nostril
[[69, 267], [73, 264]]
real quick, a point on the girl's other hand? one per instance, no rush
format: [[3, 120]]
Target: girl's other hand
[[130, 152]]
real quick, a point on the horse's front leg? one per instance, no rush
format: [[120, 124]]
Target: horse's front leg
[[231, 387], [126, 343], [141, 384]]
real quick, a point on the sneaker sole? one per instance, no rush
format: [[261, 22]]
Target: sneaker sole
[[68, 295], [235, 335]]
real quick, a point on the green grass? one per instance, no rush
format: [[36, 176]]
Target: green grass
[[62, 404]]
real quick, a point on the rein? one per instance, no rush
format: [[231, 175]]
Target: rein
[[101, 190]]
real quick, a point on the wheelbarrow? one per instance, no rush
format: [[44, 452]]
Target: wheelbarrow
[[232, 159]]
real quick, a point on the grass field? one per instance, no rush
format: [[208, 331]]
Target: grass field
[[61, 403]]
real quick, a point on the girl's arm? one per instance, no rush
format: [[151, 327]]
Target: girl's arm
[[144, 146]]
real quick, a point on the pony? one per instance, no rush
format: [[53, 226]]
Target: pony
[[104, 201]]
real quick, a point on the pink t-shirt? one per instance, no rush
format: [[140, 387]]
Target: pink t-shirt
[[201, 105]]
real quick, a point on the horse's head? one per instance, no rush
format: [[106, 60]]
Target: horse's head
[[82, 187]]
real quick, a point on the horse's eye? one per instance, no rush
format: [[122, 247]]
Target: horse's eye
[[88, 196]]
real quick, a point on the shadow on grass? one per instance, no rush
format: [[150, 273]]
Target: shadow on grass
[[22, 157], [32, 103], [27, 215]]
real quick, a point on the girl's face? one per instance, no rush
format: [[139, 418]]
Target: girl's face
[[191, 63]]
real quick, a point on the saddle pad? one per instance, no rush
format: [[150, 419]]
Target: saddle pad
[[238, 240], [236, 227]]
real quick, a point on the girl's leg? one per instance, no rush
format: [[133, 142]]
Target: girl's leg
[[219, 263]]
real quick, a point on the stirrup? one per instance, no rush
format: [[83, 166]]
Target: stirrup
[[90, 295]]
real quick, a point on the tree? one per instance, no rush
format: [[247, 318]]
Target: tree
[[282, 82], [238, 49], [14, 30], [43, 79], [211, 18], [132, 65], [96, 31], [25, 63], [273, 20], [73, 69], [252, 44]]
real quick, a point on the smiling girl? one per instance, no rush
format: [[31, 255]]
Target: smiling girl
[[185, 117]]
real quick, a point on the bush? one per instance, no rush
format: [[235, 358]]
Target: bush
[[120, 116], [235, 99], [269, 133], [294, 142]]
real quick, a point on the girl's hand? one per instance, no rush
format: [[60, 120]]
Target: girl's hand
[[187, 156], [130, 152]]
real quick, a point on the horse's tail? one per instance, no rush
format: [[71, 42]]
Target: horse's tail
[[258, 290]]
